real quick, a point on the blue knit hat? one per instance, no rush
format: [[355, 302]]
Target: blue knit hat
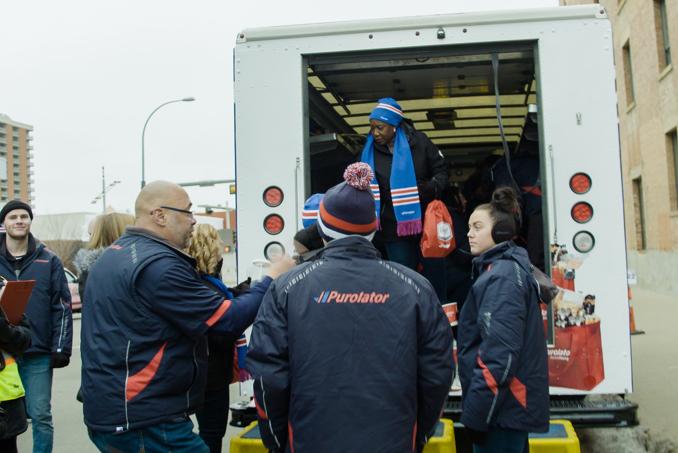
[[347, 209], [387, 111], [309, 215]]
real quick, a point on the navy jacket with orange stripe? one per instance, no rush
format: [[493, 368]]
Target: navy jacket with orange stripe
[[49, 308], [144, 349], [350, 353], [502, 350]]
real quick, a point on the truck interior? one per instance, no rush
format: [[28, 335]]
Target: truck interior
[[460, 100], [448, 93]]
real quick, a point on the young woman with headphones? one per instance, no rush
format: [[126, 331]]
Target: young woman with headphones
[[501, 346]]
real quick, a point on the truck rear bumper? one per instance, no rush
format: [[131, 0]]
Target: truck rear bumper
[[582, 412]]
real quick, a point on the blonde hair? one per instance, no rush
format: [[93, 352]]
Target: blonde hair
[[205, 248], [108, 228]]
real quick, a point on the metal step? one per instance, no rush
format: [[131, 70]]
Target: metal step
[[582, 412]]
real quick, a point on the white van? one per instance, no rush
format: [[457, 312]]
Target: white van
[[536, 81]]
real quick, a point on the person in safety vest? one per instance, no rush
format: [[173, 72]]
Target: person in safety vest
[[13, 341], [350, 352]]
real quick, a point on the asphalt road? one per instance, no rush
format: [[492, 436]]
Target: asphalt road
[[70, 434], [655, 363]]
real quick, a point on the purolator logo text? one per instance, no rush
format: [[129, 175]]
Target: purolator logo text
[[336, 297]]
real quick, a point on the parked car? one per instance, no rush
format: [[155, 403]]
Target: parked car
[[72, 279]]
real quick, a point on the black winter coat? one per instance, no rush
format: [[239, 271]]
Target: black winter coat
[[429, 167], [502, 349], [13, 340], [350, 353], [49, 307]]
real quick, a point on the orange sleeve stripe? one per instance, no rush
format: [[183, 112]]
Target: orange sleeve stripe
[[138, 382], [519, 391], [414, 437], [260, 412], [216, 316], [489, 379], [290, 436]]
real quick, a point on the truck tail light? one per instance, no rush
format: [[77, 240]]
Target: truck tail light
[[582, 212], [273, 196], [580, 183], [274, 251], [273, 224], [583, 241]]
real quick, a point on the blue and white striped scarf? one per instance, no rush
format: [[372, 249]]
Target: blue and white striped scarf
[[403, 181]]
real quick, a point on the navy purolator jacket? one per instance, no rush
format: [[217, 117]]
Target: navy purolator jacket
[[503, 364], [144, 348], [49, 308], [350, 352]]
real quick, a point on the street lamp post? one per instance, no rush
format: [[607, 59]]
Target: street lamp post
[[104, 188], [143, 134]]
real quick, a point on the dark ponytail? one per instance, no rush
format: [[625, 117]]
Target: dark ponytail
[[505, 201], [504, 210]]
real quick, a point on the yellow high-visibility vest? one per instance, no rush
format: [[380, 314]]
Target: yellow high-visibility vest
[[10, 382]]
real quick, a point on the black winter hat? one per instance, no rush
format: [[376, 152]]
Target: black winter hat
[[11, 206]]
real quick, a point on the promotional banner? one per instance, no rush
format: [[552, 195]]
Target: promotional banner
[[576, 358]]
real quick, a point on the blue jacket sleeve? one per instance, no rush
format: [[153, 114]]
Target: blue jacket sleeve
[[268, 361], [62, 316], [175, 292], [243, 310], [501, 317], [435, 366]]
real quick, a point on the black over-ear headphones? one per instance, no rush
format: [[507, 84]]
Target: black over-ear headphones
[[503, 230]]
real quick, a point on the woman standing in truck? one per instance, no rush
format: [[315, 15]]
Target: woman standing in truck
[[502, 349], [409, 172]]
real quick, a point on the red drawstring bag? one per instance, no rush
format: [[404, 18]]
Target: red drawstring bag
[[437, 240]]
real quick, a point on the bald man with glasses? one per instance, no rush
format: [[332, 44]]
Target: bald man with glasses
[[144, 350]]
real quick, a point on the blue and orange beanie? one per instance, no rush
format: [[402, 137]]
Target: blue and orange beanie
[[347, 209], [309, 215], [387, 111]]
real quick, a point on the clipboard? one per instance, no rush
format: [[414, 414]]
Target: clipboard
[[15, 298]]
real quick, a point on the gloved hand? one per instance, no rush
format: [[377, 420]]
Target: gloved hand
[[477, 437], [427, 191], [242, 287], [60, 360]]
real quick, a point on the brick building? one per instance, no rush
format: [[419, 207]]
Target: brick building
[[16, 161], [645, 34]]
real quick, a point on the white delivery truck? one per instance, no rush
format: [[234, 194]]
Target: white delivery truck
[[534, 84]]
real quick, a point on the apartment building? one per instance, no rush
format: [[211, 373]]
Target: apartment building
[[645, 35], [16, 161]]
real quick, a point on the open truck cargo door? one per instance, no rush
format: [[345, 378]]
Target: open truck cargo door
[[302, 99]]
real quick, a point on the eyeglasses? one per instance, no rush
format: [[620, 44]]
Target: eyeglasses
[[184, 211]]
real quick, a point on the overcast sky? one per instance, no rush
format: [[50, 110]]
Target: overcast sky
[[86, 74]]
